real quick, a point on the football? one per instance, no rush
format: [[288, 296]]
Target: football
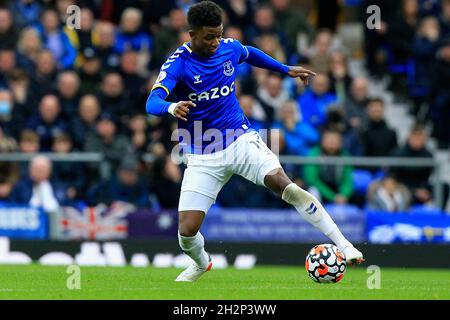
[[325, 263]]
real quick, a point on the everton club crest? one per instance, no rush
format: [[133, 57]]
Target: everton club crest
[[228, 68]]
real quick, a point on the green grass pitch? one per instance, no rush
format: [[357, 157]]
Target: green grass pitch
[[45, 282]]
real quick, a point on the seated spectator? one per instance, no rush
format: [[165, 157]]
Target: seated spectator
[[425, 46], [164, 177], [131, 75], [10, 119], [104, 41], [130, 37], [25, 101], [84, 124], [377, 138], [439, 96], [139, 132], [126, 186], [166, 40], [29, 141], [340, 79], [334, 183], [112, 96], [47, 122], [37, 189], [417, 179], [69, 174], [320, 53], [55, 40], [7, 144], [298, 136], [8, 31], [350, 136], [355, 103], [81, 39], [26, 12], [272, 96], [90, 72], [8, 62], [68, 88], [28, 48], [43, 79], [107, 141], [253, 111], [388, 195], [315, 101]]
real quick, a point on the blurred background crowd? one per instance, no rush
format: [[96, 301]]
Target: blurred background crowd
[[66, 90]]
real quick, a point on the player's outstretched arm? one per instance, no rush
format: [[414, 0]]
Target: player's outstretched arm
[[157, 105], [260, 59]]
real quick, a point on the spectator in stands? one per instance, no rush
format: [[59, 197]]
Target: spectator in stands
[[320, 52], [25, 101], [68, 89], [38, 189], [340, 79], [239, 12], [131, 37], [355, 103], [271, 96], [132, 77], [44, 77], [29, 141], [264, 24], [8, 32], [81, 39], [425, 46], [292, 21], [105, 39], [84, 124], [55, 40], [9, 175], [8, 63], [9, 120], [90, 72], [108, 141], [417, 179], [444, 19], [47, 122], [253, 111], [439, 96], [334, 183], [270, 44], [166, 40], [388, 195], [25, 12], [112, 96], [298, 136], [138, 128], [315, 101], [29, 46], [7, 143], [377, 138], [164, 177], [69, 174], [400, 39], [126, 186], [350, 136]]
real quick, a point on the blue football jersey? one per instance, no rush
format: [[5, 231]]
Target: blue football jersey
[[209, 82]]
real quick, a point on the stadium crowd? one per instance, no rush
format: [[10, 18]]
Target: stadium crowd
[[65, 90]]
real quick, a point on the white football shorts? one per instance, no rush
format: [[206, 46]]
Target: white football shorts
[[206, 174]]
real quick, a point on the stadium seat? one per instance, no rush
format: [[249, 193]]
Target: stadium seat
[[362, 180]]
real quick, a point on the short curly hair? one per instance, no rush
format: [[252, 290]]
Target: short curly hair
[[205, 14]]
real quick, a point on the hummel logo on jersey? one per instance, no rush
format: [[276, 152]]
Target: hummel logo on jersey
[[312, 209], [197, 79]]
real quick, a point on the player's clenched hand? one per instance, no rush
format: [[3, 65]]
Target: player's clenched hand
[[181, 109], [300, 72]]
